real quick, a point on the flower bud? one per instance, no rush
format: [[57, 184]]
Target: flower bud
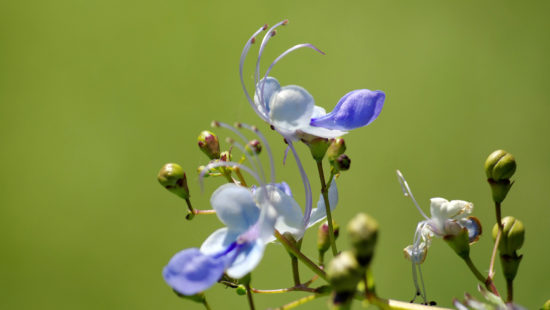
[[363, 232], [241, 290], [323, 238], [459, 242], [209, 144], [344, 272], [172, 177], [225, 156], [318, 148], [513, 235], [337, 147], [500, 165], [546, 305], [253, 147], [342, 163]]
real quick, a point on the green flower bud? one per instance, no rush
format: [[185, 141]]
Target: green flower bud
[[363, 233], [253, 146], [209, 144], [500, 165], [459, 242], [172, 177], [344, 272], [337, 147], [323, 238], [318, 148], [546, 305], [241, 290], [513, 235]]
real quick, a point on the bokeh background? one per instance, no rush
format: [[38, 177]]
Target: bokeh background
[[95, 96]]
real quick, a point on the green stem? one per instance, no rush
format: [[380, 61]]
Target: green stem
[[324, 191], [306, 261], [474, 269], [249, 296], [510, 290], [206, 305], [301, 301]]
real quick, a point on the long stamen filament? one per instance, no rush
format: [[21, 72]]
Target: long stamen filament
[[307, 185], [228, 164], [408, 193]]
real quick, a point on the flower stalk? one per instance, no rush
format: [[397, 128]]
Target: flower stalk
[[324, 191]]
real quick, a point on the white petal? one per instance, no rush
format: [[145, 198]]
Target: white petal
[[318, 112], [318, 214], [235, 207], [247, 259], [289, 213], [322, 132], [291, 108], [218, 241], [269, 88]]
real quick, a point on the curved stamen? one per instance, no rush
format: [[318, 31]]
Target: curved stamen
[[245, 140], [241, 65], [407, 192], [424, 294], [255, 130], [288, 51], [228, 164], [307, 186], [270, 33]]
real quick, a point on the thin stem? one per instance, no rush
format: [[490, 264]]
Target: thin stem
[[295, 271], [192, 211], [301, 301], [510, 290], [304, 259], [321, 258], [249, 296], [304, 287], [324, 191], [240, 176], [206, 305], [479, 276], [497, 241], [197, 211]]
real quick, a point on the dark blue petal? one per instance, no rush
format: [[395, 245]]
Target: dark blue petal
[[190, 271], [356, 109]]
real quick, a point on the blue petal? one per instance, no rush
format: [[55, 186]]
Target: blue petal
[[283, 186], [473, 226], [190, 271], [235, 207], [356, 109], [289, 213], [219, 241], [318, 214]]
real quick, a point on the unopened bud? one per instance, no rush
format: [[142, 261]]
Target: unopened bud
[[241, 290], [546, 305], [344, 272], [225, 156], [253, 147], [513, 235], [323, 238], [363, 233], [172, 177], [500, 165], [337, 147], [318, 148], [209, 144]]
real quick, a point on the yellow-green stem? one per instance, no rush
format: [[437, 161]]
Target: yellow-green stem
[[304, 259], [324, 191]]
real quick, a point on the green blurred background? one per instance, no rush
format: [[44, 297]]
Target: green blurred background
[[96, 96]]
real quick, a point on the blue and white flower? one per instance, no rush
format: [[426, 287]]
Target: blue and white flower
[[291, 110]]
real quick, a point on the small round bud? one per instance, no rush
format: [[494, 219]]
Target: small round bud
[[240, 290], [513, 235], [344, 272], [323, 238], [253, 147], [318, 148], [337, 147], [500, 165], [363, 233], [342, 163], [172, 177], [546, 305], [209, 144], [225, 156]]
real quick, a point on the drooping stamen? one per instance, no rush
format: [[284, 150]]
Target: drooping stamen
[[229, 164], [288, 51], [423, 294], [270, 33], [407, 192], [256, 162], [241, 65], [286, 154], [255, 130], [307, 186]]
